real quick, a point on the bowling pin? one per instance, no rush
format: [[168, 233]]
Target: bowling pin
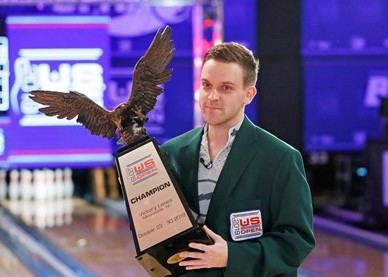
[[14, 185], [59, 184], [26, 187], [39, 184], [50, 183], [69, 184]]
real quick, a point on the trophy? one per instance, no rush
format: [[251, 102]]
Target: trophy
[[160, 219]]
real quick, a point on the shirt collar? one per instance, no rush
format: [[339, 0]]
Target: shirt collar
[[231, 134]]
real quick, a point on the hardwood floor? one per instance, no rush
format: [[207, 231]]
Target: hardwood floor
[[10, 265], [340, 254]]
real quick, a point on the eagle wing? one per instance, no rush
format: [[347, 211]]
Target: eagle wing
[[150, 72], [69, 105]]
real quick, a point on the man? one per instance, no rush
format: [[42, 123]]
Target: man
[[246, 186]]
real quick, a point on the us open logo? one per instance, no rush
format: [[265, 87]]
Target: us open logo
[[141, 169], [246, 225]]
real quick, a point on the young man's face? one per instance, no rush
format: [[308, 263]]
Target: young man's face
[[222, 96]]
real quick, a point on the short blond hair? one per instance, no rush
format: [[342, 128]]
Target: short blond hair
[[233, 52]]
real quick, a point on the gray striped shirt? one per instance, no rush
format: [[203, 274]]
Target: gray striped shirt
[[209, 171]]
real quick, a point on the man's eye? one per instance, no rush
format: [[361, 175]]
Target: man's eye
[[206, 85], [226, 88]]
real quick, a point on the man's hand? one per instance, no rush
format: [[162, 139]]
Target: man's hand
[[207, 256]]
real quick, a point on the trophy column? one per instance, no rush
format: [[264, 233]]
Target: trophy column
[[160, 218]]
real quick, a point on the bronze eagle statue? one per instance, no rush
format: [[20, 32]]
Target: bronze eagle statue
[[127, 118]]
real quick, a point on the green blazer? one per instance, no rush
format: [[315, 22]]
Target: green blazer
[[261, 173]]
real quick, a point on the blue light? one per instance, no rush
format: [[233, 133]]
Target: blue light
[[361, 171]]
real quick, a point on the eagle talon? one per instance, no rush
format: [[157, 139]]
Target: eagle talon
[[140, 117]]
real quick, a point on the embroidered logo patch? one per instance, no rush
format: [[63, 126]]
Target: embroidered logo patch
[[246, 225]]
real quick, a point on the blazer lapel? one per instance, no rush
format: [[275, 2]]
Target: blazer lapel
[[190, 158], [239, 157]]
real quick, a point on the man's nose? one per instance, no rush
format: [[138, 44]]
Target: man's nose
[[214, 95]]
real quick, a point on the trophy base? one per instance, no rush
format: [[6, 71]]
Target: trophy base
[[163, 259]]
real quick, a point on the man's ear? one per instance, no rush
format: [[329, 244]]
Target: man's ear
[[250, 93]]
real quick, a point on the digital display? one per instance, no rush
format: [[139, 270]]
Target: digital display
[[345, 63], [4, 74], [58, 53], [342, 99], [344, 27]]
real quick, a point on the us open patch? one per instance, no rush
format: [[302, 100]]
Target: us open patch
[[246, 225]]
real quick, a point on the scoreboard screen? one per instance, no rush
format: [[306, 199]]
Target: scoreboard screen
[[58, 53]]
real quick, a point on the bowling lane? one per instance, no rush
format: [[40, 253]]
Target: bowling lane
[[10, 265], [100, 241], [344, 251], [81, 235]]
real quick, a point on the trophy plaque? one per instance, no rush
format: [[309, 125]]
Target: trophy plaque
[[160, 218]]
